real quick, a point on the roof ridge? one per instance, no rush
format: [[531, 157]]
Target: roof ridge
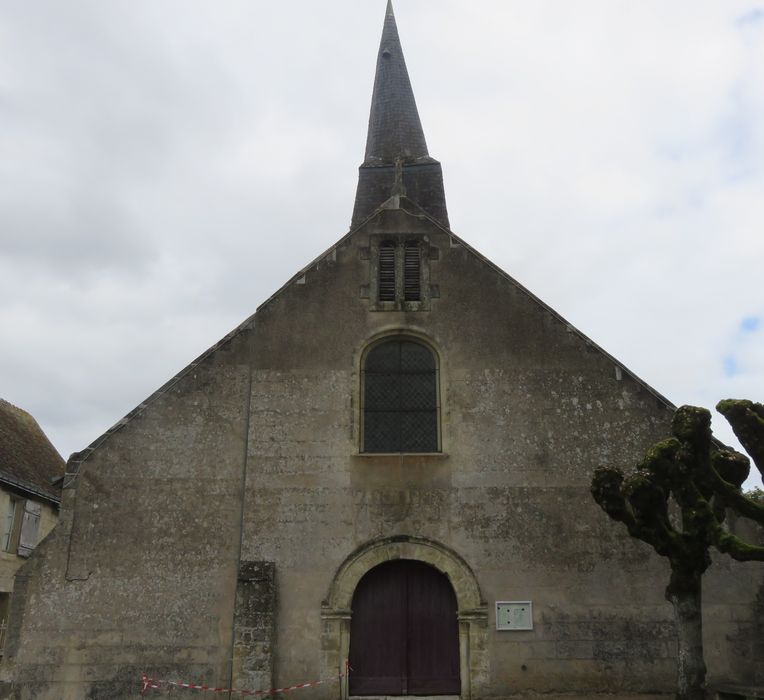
[[16, 408]]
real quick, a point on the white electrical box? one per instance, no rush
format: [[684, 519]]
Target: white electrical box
[[514, 615]]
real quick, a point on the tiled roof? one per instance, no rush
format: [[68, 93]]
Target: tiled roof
[[28, 460]]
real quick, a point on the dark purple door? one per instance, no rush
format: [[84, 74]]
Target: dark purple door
[[404, 634]]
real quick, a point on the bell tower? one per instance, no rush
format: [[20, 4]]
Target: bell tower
[[397, 161]]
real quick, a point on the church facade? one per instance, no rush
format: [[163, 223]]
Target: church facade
[[381, 481]]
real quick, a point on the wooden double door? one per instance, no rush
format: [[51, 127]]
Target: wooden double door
[[404, 633]]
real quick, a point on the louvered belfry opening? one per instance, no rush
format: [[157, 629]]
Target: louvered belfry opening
[[387, 271], [412, 272], [400, 410]]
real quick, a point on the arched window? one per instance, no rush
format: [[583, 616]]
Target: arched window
[[400, 398]]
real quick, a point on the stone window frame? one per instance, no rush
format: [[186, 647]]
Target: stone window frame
[[397, 335], [426, 253]]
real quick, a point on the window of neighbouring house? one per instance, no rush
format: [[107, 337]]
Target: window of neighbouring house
[[21, 526], [12, 525], [400, 398], [30, 528]]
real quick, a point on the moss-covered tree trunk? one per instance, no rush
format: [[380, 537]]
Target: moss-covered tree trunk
[[685, 594]]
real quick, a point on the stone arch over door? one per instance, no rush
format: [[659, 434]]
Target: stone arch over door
[[472, 612]]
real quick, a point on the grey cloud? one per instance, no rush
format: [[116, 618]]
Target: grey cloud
[[167, 166]]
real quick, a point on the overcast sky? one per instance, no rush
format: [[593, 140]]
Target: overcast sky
[[165, 165]]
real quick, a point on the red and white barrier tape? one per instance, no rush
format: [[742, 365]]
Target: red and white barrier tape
[[153, 684]]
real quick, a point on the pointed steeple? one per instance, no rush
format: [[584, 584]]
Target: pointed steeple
[[395, 130], [396, 151]]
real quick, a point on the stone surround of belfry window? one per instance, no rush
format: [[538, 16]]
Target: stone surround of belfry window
[[400, 241]]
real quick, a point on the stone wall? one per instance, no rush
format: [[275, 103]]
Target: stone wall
[[202, 538], [140, 574]]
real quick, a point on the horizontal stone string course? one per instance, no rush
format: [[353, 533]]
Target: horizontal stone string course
[[153, 684]]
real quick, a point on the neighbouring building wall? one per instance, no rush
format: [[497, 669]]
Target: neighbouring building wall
[[30, 493], [12, 509]]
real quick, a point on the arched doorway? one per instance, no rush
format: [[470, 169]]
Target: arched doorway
[[336, 614], [404, 632]]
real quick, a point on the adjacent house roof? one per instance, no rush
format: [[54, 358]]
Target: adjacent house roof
[[28, 460]]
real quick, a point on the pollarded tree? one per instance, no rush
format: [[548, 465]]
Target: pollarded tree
[[747, 421], [703, 479]]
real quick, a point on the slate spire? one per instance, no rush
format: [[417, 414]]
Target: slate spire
[[395, 142], [395, 130]]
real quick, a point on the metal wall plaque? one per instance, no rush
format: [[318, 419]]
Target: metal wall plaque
[[514, 615]]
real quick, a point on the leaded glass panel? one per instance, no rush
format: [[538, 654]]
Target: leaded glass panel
[[417, 391], [383, 392], [415, 358], [400, 398], [382, 431], [385, 357], [418, 433]]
